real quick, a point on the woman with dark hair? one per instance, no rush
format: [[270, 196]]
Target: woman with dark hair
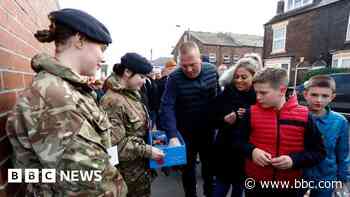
[[130, 120], [56, 123]]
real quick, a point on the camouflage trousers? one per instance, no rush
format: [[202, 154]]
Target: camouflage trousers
[[136, 177], [139, 188]]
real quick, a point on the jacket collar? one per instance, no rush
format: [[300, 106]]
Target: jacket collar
[[325, 117], [113, 83], [291, 103], [45, 62]]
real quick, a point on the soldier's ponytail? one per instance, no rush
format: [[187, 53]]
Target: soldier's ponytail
[[57, 32], [119, 69]]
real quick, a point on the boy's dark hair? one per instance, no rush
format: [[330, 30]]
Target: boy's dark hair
[[322, 81], [274, 76]]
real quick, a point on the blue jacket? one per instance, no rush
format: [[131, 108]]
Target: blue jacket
[[184, 104], [335, 133]]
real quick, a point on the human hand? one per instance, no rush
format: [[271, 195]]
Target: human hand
[[283, 162], [261, 158], [157, 154], [174, 142], [230, 118]]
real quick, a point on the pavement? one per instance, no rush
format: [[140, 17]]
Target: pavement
[[171, 186], [167, 186]]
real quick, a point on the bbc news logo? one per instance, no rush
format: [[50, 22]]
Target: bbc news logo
[[51, 175]]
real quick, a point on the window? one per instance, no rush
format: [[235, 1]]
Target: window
[[285, 66], [290, 4], [235, 58], [227, 59], [279, 38], [348, 32], [212, 58], [294, 4], [345, 63], [341, 60], [284, 63], [298, 3], [335, 63]]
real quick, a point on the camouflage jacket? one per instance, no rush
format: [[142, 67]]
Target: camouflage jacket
[[130, 126], [57, 124]]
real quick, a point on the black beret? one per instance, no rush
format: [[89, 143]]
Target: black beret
[[136, 63], [84, 23]]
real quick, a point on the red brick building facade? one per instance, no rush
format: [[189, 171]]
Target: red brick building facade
[[19, 20], [222, 48], [317, 32]]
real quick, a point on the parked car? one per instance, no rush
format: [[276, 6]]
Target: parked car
[[341, 103]]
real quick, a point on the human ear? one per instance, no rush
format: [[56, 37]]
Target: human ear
[[333, 96], [79, 41], [283, 89], [305, 94], [127, 73]]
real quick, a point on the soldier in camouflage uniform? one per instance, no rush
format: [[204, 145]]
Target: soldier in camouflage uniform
[[128, 115], [56, 123]]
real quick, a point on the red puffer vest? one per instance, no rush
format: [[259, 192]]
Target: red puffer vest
[[278, 133]]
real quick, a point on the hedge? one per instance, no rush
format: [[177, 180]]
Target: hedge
[[324, 71]]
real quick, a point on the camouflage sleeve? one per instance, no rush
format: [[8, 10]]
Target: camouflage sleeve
[[129, 147], [64, 140]]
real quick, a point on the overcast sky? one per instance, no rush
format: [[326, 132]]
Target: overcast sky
[[142, 25]]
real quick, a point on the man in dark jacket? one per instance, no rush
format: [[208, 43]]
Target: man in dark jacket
[[184, 109]]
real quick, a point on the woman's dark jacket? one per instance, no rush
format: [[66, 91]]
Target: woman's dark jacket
[[228, 160]]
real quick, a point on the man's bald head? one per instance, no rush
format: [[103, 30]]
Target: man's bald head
[[190, 61]]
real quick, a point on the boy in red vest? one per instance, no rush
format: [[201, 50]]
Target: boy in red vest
[[279, 137]]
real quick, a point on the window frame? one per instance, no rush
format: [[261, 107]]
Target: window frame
[[289, 7], [278, 62], [337, 59], [212, 58], [277, 27], [347, 39], [226, 59]]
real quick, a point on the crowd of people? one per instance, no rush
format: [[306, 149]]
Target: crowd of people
[[236, 118]]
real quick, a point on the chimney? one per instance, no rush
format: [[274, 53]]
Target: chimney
[[280, 7]]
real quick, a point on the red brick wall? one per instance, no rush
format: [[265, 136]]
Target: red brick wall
[[18, 21], [298, 40], [220, 51]]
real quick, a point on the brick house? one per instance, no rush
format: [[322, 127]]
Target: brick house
[[317, 31], [221, 48], [19, 20]]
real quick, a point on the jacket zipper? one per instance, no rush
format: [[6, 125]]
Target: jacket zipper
[[277, 143]]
